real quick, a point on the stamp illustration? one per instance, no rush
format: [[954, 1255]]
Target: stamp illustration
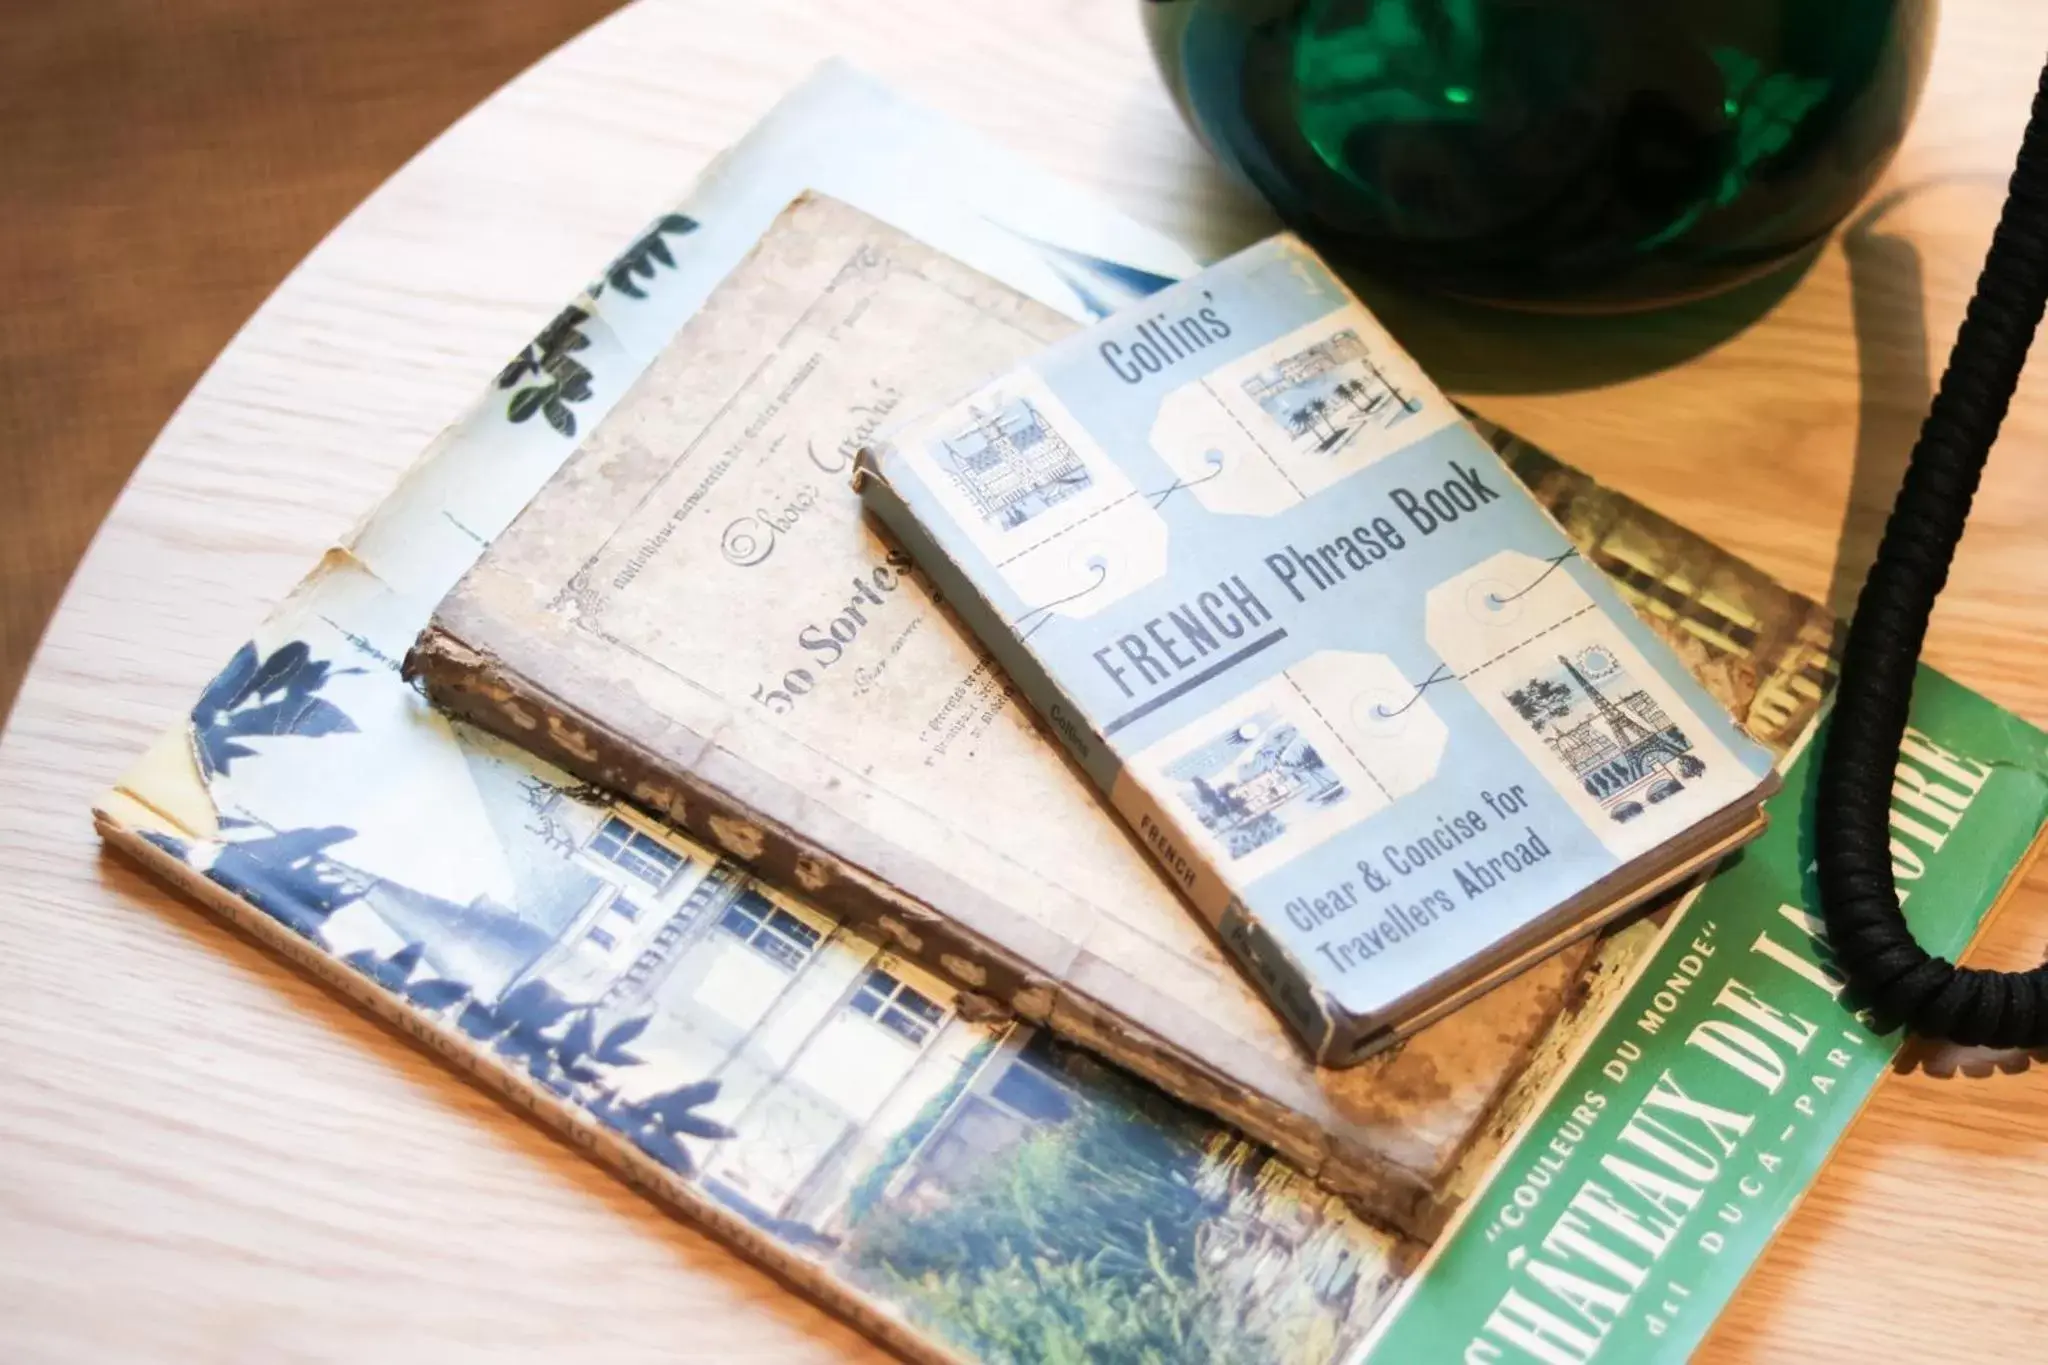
[[1012, 465], [1323, 395], [1252, 782], [1607, 730]]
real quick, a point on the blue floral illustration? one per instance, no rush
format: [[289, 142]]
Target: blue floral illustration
[[273, 695], [557, 377], [647, 256]]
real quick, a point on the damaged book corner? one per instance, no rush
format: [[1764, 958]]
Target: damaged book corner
[[694, 612]]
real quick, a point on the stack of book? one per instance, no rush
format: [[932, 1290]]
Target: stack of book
[[721, 835]]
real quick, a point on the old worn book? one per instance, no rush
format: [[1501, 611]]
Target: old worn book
[[694, 613], [968, 1188], [1357, 694]]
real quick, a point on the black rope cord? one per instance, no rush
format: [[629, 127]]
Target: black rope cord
[[1885, 966]]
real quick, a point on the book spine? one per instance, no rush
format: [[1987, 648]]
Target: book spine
[[525, 1096], [1279, 977]]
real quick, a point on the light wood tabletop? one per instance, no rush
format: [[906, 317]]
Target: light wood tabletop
[[203, 1156]]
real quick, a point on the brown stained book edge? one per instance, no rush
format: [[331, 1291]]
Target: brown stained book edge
[[482, 688]]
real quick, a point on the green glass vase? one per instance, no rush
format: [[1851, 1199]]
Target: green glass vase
[[1553, 154]]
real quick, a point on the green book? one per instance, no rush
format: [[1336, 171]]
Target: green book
[[1618, 1223]]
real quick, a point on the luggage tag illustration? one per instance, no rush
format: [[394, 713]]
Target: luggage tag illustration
[[1065, 527], [1290, 762], [1277, 426], [1570, 690]]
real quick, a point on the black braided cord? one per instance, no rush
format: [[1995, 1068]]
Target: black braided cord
[[1886, 967]]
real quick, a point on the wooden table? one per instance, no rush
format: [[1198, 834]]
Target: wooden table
[[205, 1157]]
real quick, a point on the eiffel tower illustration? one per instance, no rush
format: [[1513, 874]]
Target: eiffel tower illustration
[[1628, 731], [1637, 741]]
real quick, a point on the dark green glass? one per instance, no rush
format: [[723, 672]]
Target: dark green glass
[[1599, 154]]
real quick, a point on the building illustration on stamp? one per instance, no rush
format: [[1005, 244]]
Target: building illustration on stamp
[[1608, 731], [1324, 394], [1011, 465], [1243, 784]]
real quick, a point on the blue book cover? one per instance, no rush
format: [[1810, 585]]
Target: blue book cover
[[1349, 684]]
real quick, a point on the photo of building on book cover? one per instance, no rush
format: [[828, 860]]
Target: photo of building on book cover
[[1005, 1190]]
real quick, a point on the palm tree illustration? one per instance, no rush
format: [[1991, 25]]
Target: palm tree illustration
[[1312, 419], [1365, 399]]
